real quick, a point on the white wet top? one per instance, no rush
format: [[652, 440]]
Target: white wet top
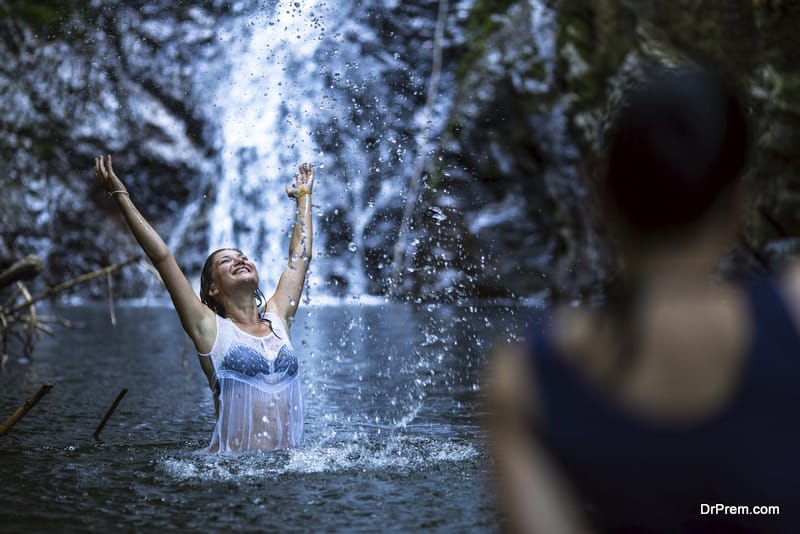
[[258, 383]]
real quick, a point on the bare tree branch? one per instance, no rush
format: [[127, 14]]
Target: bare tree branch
[[398, 260]]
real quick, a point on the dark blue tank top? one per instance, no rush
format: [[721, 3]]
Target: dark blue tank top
[[637, 474]]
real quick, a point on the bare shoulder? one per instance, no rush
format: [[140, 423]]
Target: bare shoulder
[[510, 380], [512, 376], [574, 329], [272, 308], [531, 490], [206, 331]]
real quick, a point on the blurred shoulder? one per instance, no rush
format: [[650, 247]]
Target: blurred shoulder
[[574, 329], [511, 383]]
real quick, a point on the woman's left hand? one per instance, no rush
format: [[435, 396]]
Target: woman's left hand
[[303, 181], [104, 172]]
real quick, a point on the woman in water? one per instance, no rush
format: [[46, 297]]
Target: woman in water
[[672, 408], [241, 339]]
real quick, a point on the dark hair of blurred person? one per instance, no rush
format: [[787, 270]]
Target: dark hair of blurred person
[[679, 393]]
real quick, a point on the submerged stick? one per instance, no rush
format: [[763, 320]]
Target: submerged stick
[[109, 412], [111, 300], [31, 319], [22, 410]]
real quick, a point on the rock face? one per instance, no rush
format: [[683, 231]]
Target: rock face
[[74, 80], [534, 92], [503, 208]]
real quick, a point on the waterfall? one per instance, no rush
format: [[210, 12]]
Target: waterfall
[[267, 108], [308, 81]]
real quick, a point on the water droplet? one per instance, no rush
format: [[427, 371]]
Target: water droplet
[[438, 215]]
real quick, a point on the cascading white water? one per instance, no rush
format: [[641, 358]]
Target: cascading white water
[[267, 109], [310, 81]]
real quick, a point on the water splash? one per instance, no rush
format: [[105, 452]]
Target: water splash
[[397, 452]]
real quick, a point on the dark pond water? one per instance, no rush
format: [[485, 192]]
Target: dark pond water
[[393, 437]]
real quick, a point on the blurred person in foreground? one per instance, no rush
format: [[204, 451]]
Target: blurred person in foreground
[[671, 407]]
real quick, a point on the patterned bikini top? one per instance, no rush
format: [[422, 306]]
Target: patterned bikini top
[[268, 362]]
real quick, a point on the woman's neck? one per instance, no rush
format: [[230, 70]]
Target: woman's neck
[[691, 258], [689, 263], [241, 309]]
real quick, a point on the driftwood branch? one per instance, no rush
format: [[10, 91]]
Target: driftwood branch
[[50, 291], [29, 302], [28, 327], [109, 412], [61, 321], [24, 269], [22, 410]]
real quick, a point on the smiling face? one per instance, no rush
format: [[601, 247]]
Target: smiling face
[[231, 269], [225, 271]]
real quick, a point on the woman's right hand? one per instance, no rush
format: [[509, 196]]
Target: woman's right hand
[[106, 177], [303, 182]]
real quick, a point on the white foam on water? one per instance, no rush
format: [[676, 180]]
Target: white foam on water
[[398, 452]]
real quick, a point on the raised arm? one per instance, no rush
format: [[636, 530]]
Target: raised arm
[[197, 319], [290, 286]]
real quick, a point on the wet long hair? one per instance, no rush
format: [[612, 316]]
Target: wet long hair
[[677, 146], [207, 278]]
